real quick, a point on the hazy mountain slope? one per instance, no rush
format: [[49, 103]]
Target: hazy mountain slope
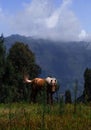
[[64, 60]]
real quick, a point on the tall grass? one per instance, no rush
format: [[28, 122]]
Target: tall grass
[[75, 95], [24, 116], [43, 116]]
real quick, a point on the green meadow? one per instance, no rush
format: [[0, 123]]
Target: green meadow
[[24, 116]]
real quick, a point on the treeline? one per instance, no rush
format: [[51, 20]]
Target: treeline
[[87, 85], [86, 95], [14, 64]]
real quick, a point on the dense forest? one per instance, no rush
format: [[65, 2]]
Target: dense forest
[[14, 64]]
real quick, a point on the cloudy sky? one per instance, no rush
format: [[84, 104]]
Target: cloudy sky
[[53, 19]]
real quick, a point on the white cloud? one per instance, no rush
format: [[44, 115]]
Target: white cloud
[[83, 35], [42, 19], [52, 21]]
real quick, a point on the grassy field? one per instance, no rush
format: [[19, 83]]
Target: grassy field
[[24, 116]]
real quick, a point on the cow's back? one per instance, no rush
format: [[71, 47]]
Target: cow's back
[[39, 83]]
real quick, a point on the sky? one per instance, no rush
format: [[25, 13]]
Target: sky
[[68, 20]]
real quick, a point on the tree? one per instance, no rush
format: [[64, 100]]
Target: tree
[[68, 96], [22, 61], [2, 56], [87, 84], [2, 66]]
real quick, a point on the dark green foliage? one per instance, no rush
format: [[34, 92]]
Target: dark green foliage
[[22, 61], [2, 56], [2, 67], [18, 61], [68, 96], [87, 84]]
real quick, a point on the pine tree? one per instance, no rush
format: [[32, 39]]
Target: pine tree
[[68, 96], [87, 84], [2, 66]]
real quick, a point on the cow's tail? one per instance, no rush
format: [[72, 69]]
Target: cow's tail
[[26, 79]]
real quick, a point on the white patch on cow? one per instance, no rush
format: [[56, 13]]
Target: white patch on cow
[[51, 80]]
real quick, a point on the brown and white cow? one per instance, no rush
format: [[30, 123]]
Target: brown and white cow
[[39, 84]]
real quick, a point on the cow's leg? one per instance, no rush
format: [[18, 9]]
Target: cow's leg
[[33, 96], [48, 98], [51, 98]]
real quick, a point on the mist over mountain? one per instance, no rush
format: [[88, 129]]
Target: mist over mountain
[[66, 61]]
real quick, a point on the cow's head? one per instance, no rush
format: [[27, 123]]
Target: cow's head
[[52, 84]]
